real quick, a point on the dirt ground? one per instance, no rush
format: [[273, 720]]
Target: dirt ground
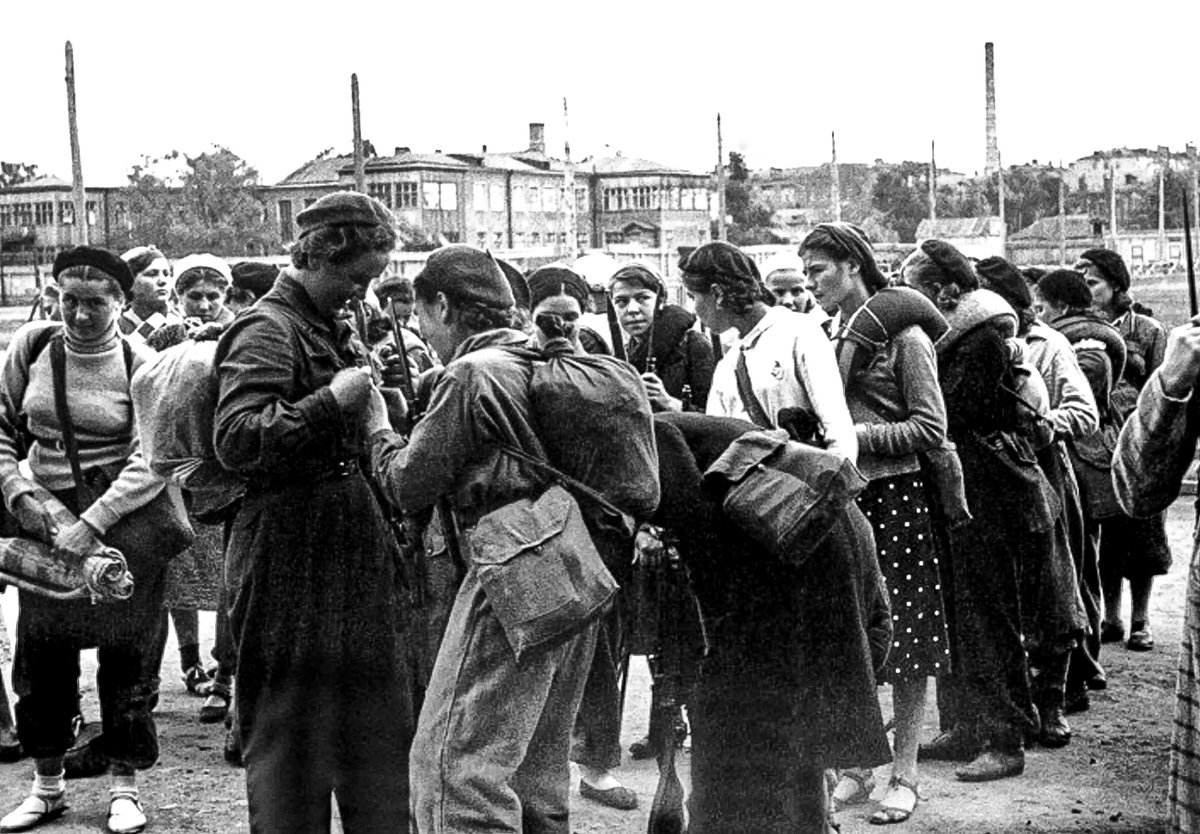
[[1111, 779]]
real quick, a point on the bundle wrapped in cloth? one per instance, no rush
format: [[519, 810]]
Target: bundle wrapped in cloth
[[33, 564]]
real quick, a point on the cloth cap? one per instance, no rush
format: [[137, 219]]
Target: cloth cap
[[257, 278], [99, 259], [718, 258], [1006, 280], [549, 281], [1111, 266], [344, 208], [387, 285], [201, 261], [467, 274], [139, 258], [955, 267], [784, 261]]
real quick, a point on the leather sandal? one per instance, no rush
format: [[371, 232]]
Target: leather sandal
[[895, 807], [197, 680], [125, 814], [853, 788], [34, 811]]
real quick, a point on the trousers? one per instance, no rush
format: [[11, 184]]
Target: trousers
[[492, 742]]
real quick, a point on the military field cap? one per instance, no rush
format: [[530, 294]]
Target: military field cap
[[343, 208], [254, 277], [468, 274], [98, 259]]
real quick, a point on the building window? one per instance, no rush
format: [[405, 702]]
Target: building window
[[22, 214], [442, 196], [518, 198], [66, 214], [285, 219], [496, 193], [381, 191], [535, 239], [581, 200], [43, 214], [121, 215], [611, 238], [481, 240], [499, 240], [581, 240], [5, 215], [91, 213], [533, 198], [480, 196], [406, 195], [519, 240], [451, 237], [549, 199], [449, 196]]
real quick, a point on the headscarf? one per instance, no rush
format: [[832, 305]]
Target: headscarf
[[855, 242], [549, 281], [139, 258]]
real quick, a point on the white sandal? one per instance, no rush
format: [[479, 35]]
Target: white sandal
[[34, 811], [125, 815]]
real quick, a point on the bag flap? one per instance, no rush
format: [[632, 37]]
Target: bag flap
[[519, 526], [742, 456]]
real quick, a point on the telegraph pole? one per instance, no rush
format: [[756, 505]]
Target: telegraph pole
[[720, 183], [360, 172], [568, 215], [1062, 214], [1112, 200], [80, 199], [932, 179], [1165, 153], [835, 183]]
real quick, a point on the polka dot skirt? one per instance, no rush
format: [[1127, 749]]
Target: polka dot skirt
[[899, 518]]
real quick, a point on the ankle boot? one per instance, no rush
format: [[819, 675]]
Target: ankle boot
[[958, 744], [997, 761], [1055, 731]]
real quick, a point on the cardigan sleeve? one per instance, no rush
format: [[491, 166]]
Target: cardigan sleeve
[[1155, 449], [925, 426]]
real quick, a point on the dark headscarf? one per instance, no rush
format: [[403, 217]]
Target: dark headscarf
[[642, 276], [723, 262], [854, 243], [253, 277]]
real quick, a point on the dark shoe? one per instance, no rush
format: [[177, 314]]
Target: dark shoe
[[233, 748], [955, 745], [216, 705], [992, 764], [1076, 701], [619, 797], [1056, 732], [1097, 682], [1112, 632], [642, 749], [1140, 638], [85, 761]]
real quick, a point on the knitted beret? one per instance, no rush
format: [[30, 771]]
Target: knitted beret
[[98, 259], [197, 262], [720, 260], [1003, 278], [257, 278], [343, 208], [1111, 266], [139, 258], [467, 274], [549, 281], [955, 267]]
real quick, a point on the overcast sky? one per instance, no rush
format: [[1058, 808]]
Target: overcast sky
[[647, 78]]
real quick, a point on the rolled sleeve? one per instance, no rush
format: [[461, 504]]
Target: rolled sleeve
[[1155, 449]]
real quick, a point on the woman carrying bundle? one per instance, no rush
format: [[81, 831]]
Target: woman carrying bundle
[[68, 385]]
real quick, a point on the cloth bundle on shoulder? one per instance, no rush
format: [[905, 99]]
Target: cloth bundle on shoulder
[[175, 402], [787, 496], [595, 423]]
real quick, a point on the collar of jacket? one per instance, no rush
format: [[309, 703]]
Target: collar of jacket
[[501, 337], [289, 291]]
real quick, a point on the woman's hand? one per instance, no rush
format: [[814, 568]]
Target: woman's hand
[[352, 387], [78, 540], [34, 519], [659, 398], [648, 549], [375, 416], [1181, 365]]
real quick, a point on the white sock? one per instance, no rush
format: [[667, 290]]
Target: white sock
[[47, 786], [123, 785]]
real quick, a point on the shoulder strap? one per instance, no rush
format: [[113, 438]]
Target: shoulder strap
[[39, 342], [58, 366], [754, 408], [563, 479]]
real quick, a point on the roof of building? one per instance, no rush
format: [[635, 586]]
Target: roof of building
[[408, 159], [960, 227], [317, 171], [47, 182], [1078, 226], [619, 164]]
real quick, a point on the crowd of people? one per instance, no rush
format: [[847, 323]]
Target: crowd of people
[[430, 561]]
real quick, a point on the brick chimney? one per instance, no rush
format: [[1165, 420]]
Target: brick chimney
[[537, 137]]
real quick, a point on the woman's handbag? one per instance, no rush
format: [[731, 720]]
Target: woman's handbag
[[537, 563], [158, 530]]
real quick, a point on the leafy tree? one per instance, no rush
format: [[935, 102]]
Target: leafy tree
[[15, 173], [751, 220], [900, 196], [213, 208], [1140, 202]]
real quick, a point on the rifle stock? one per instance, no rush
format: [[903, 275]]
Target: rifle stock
[[666, 813]]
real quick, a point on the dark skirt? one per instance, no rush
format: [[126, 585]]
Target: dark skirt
[[899, 516], [1135, 548]]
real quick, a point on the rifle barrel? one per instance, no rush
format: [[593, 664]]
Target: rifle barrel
[[1191, 266]]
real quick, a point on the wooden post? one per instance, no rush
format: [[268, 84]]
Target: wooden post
[[720, 183], [360, 174], [932, 180], [569, 248], [1062, 215], [80, 199], [1112, 204], [1162, 202], [835, 184], [1000, 195]]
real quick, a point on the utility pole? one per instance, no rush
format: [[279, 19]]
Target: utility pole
[[720, 183], [360, 171], [932, 180], [1112, 200], [568, 214], [835, 182], [80, 199], [1062, 214], [1165, 160], [1000, 195]]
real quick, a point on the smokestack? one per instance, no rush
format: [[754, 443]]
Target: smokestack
[[537, 137], [835, 184], [993, 149]]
